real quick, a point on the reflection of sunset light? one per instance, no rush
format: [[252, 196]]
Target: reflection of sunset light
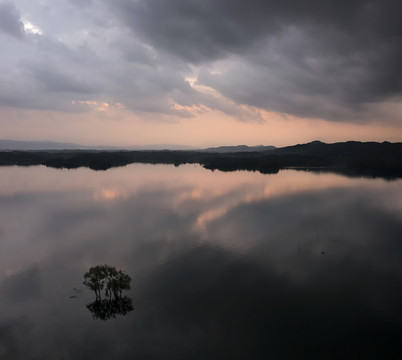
[[107, 194], [190, 195], [110, 194], [305, 182], [267, 187], [211, 215]]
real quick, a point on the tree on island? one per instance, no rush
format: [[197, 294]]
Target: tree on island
[[113, 282]]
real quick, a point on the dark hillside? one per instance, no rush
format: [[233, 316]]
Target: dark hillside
[[349, 158]]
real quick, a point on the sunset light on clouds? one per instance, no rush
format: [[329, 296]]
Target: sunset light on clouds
[[200, 72]]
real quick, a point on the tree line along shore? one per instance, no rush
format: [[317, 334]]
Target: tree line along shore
[[350, 158]]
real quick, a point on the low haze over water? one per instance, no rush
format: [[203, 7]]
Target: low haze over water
[[237, 265]]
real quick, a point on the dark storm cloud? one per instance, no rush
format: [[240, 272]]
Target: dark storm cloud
[[10, 22], [55, 80], [325, 59], [205, 30], [311, 58]]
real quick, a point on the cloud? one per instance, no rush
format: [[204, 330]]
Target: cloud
[[64, 67], [206, 30], [55, 80], [10, 22], [181, 58], [197, 30], [311, 58]]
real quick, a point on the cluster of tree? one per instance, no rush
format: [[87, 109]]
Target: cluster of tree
[[107, 280]]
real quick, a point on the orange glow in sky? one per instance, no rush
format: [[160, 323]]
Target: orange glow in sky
[[105, 124]]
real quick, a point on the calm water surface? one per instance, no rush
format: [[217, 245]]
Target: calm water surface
[[224, 265]]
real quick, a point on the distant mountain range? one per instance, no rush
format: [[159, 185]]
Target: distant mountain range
[[38, 145], [349, 149], [238, 148], [52, 145]]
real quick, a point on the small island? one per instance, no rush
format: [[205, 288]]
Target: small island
[[107, 280]]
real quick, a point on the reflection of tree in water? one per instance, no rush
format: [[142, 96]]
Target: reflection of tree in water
[[107, 309], [106, 279]]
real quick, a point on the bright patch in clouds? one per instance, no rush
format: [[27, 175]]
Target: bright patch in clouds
[[31, 28]]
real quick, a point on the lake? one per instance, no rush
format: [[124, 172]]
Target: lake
[[236, 265]]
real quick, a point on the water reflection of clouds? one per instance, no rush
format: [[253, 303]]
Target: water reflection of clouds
[[252, 274], [130, 179], [210, 215], [185, 201], [292, 233], [109, 194], [249, 309], [193, 182], [22, 287]]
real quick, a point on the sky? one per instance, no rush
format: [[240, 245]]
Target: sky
[[200, 72]]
